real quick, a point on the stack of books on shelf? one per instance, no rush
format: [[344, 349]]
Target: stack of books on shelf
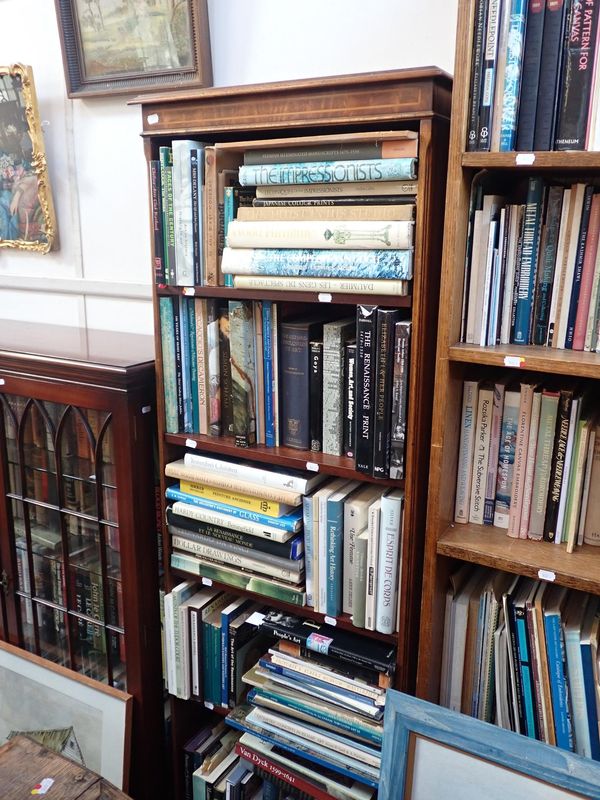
[[335, 545], [529, 459], [533, 266], [534, 81], [214, 771], [523, 654]]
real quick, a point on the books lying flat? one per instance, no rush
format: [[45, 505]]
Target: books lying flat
[[242, 580], [358, 192], [246, 526], [339, 235], [309, 172], [405, 211], [299, 283]]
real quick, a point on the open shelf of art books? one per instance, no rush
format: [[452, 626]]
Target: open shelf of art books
[[514, 473], [296, 258]]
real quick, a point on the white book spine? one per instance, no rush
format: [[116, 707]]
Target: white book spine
[[474, 276], [465, 452], [586, 485], [170, 644], [355, 235], [194, 653], [564, 489], [234, 523], [530, 465], [372, 564], [314, 534], [389, 286], [577, 691], [184, 653], [307, 515], [481, 450], [262, 477], [487, 282], [322, 555], [182, 211], [389, 553]]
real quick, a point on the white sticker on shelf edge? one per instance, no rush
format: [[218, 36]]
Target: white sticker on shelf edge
[[206, 581], [546, 575], [324, 297], [513, 361], [152, 119], [2, 381], [312, 466], [255, 619], [146, 409], [191, 443], [524, 159], [331, 620], [209, 705], [189, 290]]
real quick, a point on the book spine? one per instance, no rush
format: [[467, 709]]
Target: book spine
[[166, 182], [547, 265], [214, 368], [530, 465], [591, 521], [186, 373], [193, 350], [589, 684], [575, 287], [555, 20], [556, 662], [272, 508], [196, 224], [506, 457], [299, 210], [259, 365], [307, 518], [167, 335], [365, 369], [465, 452], [512, 75], [520, 460], [557, 465], [327, 285], [316, 396], [399, 399], [576, 80], [334, 577], [340, 151], [183, 508], [326, 234], [591, 322], [531, 74], [351, 171], [349, 421], [394, 264], [225, 370], [268, 769], [489, 503], [479, 30], [243, 371], [182, 213], [268, 368], [581, 306], [201, 321], [210, 216], [481, 451], [343, 196], [158, 252], [178, 362], [288, 481], [335, 336], [295, 398], [359, 579], [388, 567], [372, 564], [386, 321], [488, 75], [526, 676], [528, 262]]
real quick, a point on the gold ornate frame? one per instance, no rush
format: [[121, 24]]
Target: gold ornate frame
[[24, 88]]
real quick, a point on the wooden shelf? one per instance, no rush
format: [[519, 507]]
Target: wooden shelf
[[537, 359], [491, 547], [567, 161], [341, 466], [343, 622], [390, 301]]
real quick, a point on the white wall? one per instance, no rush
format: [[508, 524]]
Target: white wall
[[100, 276]]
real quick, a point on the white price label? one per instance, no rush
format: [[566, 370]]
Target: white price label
[[524, 159], [146, 409], [331, 620], [152, 119], [513, 361], [324, 297], [546, 575], [209, 705], [206, 581], [255, 619], [312, 466], [191, 443], [2, 381], [189, 290]]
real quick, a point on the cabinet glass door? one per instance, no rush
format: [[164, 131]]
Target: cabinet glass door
[[62, 505]]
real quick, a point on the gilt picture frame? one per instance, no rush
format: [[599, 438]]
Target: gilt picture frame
[[27, 218], [430, 751], [133, 46], [69, 713]]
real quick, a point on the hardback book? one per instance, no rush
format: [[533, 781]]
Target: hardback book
[[193, 755], [158, 244], [335, 335], [557, 466], [481, 452], [532, 224], [167, 336], [389, 561], [243, 372], [465, 451], [259, 366], [508, 434], [591, 529], [270, 508], [350, 171], [213, 363], [246, 645], [240, 524], [373, 527], [191, 642], [401, 212], [547, 261], [332, 577], [344, 148], [355, 521], [525, 415], [228, 614], [225, 371], [358, 192], [349, 404], [366, 328], [529, 474], [588, 643], [215, 160], [316, 396], [400, 375], [576, 481], [500, 63], [589, 463], [165, 155], [572, 298], [524, 655], [539, 641], [269, 372], [575, 612], [494, 448], [384, 357], [554, 609], [486, 101], [530, 78], [393, 264], [511, 87], [319, 539], [581, 305], [201, 320], [235, 199], [295, 369], [555, 21], [308, 537], [182, 210], [197, 200], [359, 578], [327, 285], [179, 360], [479, 35], [356, 235]]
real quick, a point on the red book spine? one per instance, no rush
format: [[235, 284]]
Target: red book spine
[[587, 275]]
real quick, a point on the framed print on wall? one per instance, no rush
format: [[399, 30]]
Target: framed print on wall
[[133, 46], [27, 219]]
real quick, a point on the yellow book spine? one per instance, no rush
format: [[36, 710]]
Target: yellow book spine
[[245, 501]]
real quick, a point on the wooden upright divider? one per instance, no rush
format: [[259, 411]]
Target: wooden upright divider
[[350, 105]]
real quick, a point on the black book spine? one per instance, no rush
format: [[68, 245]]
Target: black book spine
[[479, 30], [384, 200], [555, 23], [225, 369], [365, 370], [547, 265], [349, 421], [526, 670], [295, 397], [157, 222], [517, 279], [384, 363], [576, 286], [512, 632], [530, 78], [196, 223], [399, 399], [178, 354], [195, 635], [316, 396], [557, 465], [488, 80]]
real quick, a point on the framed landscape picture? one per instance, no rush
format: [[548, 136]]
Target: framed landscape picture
[[27, 219], [133, 46]]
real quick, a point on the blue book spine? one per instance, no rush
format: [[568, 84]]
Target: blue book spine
[[307, 515], [394, 264], [335, 538], [226, 618], [589, 686], [576, 286], [512, 75], [228, 215], [270, 790], [206, 660], [555, 650], [526, 676], [167, 338], [193, 348], [216, 664], [268, 367], [186, 374], [309, 172], [289, 522], [310, 681], [529, 255]]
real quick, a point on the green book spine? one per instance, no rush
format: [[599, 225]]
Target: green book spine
[[165, 155], [167, 336], [193, 364]]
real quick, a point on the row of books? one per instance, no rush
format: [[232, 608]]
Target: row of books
[[332, 544], [533, 269], [534, 82], [241, 369], [197, 190], [529, 460], [523, 654]]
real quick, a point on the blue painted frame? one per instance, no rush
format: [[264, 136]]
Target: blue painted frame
[[406, 715]]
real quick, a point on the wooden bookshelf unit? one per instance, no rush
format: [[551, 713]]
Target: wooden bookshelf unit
[[417, 100]]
